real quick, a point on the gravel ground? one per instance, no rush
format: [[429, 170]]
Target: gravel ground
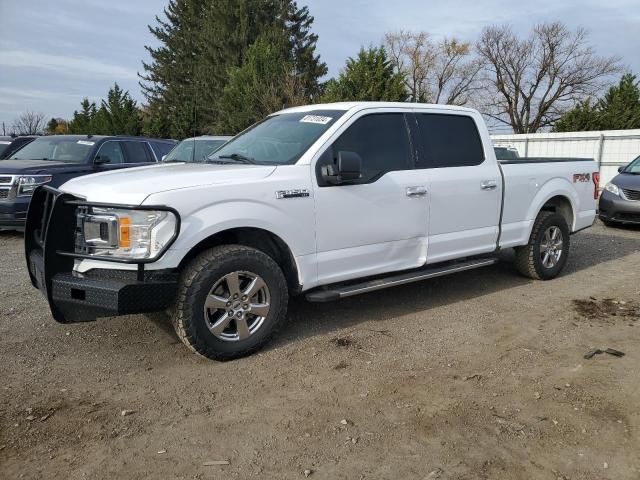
[[479, 375]]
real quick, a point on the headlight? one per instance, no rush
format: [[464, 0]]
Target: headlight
[[28, 183], [124, 234], [612, 188]]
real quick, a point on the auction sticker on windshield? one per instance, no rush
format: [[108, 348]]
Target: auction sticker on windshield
[[85, 142], [315, 119]]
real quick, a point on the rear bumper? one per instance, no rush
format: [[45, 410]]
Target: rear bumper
[[612, 208]]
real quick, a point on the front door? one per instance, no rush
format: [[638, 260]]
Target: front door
[[378, 223]]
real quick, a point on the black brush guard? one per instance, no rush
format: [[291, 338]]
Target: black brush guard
[[50, 236]]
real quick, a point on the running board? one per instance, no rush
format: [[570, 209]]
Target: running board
[[337, 291]]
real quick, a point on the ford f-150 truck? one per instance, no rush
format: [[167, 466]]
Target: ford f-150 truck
[[325, 200]]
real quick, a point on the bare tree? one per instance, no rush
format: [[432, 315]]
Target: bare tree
[[29, 123], [535, 80], [436, 72]]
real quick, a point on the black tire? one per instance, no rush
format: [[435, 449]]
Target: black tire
[[198, 278], [529, 260]]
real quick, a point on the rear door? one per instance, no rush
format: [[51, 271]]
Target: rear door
[[465, 188], [376, 224]]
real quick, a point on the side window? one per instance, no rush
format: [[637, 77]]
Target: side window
[[448, 141], [110, 153], [138, 152], [381, 140]]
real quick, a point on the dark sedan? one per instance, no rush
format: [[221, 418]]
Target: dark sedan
[[53, 160], [620, 199]]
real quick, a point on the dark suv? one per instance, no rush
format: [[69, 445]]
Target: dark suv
[[53, 160]]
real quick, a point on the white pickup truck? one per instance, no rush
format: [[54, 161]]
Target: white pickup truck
[[326, 200]]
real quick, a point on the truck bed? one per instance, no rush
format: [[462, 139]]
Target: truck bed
[[530, 182]]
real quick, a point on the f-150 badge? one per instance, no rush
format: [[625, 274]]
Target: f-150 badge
[[296, 193]]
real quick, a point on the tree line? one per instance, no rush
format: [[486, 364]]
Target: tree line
[[221, 66]]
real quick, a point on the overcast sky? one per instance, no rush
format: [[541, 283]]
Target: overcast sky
[[54, 53]]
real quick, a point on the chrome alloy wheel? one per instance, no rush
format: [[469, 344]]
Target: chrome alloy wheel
[[237, 306], [551, 247]]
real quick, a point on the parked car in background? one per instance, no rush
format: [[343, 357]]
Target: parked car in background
[[196, 149], [620, 199], [55, 159], [4, 143], [506, 153], [14, 144]]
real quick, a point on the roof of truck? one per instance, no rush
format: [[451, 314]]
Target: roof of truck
[[366, 105]]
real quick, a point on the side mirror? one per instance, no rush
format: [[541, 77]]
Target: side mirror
[[347, 169], [620, 169], [163, 157], [102, 159]]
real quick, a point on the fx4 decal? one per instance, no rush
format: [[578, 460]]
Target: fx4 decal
[[581, 177]]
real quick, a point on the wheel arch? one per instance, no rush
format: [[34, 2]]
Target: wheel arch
[[562, 205], [558, 196], [267, 242]]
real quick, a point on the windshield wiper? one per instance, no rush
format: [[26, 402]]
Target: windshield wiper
[[236, 157]]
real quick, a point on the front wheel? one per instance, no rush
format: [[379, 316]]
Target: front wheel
[[231, 300], [546, 254]]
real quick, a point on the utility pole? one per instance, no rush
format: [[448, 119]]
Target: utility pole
[[4, 132]]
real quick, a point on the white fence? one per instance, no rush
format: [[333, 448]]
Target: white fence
[[610, 148]]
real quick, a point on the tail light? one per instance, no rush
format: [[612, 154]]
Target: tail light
[[596, 184]]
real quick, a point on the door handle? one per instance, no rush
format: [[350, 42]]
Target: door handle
[[416, 191], [489, 185]]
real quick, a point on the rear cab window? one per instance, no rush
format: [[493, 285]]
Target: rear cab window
[[448, 140]]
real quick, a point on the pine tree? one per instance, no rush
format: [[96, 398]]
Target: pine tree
[[82, 120], [118, 114], [302, 44], [201, 41], [584, 116], [370, 76], [619, 109], [265, 82]]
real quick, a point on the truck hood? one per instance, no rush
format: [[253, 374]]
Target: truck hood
[[131, 186], [33, 167]]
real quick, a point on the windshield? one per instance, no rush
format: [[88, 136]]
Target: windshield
[[633, 167], [3, 146], [68, 150], [279, 139], [193, 150]]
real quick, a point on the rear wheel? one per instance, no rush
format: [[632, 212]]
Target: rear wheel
[[546, 254], [231, 299]]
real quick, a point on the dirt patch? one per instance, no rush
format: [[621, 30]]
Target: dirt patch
[[344, 342], [607, 309]]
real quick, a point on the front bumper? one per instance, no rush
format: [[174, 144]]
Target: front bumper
[[613, 208], [75, 297], [13, 212]]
